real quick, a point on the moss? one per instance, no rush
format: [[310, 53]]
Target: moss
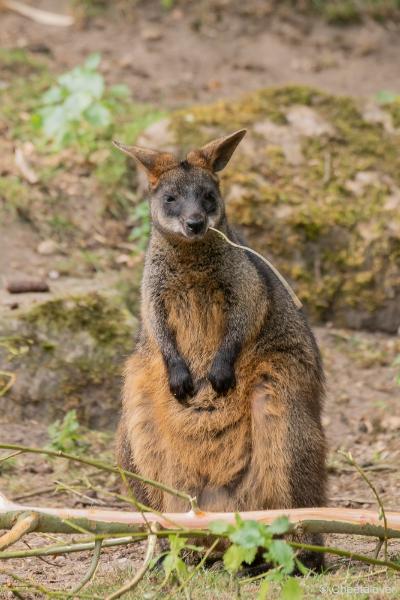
[[332, 241], [93, 313], [67, 354]]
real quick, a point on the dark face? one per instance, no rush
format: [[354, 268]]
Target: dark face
[[186, 202]]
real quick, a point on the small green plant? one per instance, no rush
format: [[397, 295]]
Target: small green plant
[[66, 435], [77, 106], [140, 232], [248, 539]]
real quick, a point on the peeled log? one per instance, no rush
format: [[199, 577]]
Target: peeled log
[[98, 521]]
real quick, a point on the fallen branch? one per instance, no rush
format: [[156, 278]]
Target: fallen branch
[[43, 17], [97, 521], [24, 523]]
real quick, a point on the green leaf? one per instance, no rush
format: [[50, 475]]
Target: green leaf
[[279, 526], [54, 120], [234, 557], [263, 591], [79, 80], [281, 554], [53, 95], [75, 105], [291, 590], [386, 97], [92, 61], [98, 115], [220, 527], [249, 534], [119, 91]]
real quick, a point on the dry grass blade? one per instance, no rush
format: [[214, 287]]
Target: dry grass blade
[[130, 585]]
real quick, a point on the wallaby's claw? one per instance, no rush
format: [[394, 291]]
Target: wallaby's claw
[[180, 381], [222, 377]]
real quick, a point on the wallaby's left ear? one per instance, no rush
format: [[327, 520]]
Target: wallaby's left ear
[[216, 154]]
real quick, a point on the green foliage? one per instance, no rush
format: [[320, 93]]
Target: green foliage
[[141, 230], [66, 435], [77, 106], [247, 538]]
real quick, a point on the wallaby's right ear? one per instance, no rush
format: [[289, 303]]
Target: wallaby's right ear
[[154, 162]]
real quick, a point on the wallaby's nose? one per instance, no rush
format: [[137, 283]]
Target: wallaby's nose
[[195, 224]]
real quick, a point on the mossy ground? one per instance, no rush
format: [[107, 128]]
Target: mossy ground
[[68, 353], [339, 244]]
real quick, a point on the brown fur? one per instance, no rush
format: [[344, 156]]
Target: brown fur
[[259, 446]]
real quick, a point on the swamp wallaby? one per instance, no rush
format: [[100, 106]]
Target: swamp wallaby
[[223, 394]]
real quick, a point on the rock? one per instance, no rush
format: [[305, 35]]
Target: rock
[[47, 247], [314, 186], [66, 353]]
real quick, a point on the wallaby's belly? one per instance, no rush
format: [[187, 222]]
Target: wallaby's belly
[[196, 315]]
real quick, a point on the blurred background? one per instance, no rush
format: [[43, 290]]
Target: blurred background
[[315, 186]]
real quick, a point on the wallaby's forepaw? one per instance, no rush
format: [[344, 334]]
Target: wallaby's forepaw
[[222, 376], [180, 381]]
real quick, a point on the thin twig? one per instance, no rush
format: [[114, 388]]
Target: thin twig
[[108, 541], [11, 380], [93, 567], [4, 458], [348, 456], [104, 467], [24, 524], [281, 278], [346, 554], [64, 486], [130, 585], [196, 570], [28, 583]]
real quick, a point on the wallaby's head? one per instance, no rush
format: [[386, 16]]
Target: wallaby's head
[[184, 194]]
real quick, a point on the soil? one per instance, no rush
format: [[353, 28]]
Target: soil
[[190, 54]]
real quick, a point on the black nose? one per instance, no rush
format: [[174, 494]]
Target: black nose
[[196, 225]]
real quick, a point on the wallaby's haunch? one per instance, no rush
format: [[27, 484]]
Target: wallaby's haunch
[[223, 394]]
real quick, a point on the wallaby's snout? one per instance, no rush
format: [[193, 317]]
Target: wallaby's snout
[[196, 225]]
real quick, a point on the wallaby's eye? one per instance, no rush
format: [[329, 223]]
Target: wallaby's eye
[[209, 201], [170, 199]]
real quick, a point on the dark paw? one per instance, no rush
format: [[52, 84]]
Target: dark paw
[[222, 377], [180, 381]]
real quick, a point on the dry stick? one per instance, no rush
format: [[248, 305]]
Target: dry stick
[[346, 554], [28, 583], [36, 14], [352, 462], [12, 379], [196, 570], [130, 585], [92, 569], [4, 458], [105, 467], [24, 524], [56, 549], [267, 262]]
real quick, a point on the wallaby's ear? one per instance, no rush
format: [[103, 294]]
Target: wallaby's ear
[[154, 162], [216, 154]]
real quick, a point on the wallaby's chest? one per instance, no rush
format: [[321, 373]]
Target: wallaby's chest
[[196, 314]]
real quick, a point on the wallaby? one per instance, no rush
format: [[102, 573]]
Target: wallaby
[[222, 397]]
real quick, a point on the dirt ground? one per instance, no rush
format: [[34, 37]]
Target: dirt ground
[[173, 59]]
